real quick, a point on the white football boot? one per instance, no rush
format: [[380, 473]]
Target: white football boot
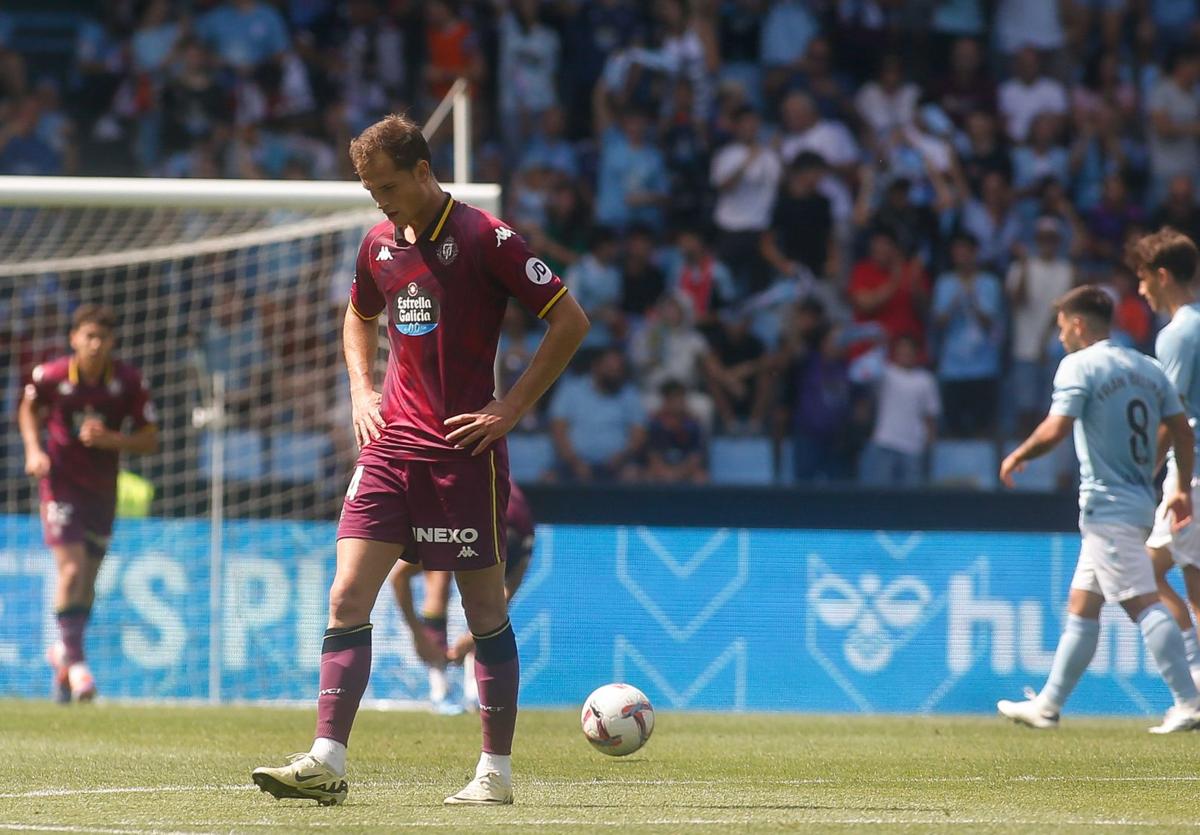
[[304, 777], [1178, 718], [83, 683], [487, 789], [1031, 712]]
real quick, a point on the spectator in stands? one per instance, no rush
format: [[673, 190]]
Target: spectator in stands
[[675, 448], [906, 415], [1044, 156], [452, 50], [801, 235], [598, 424], [528, 66], [994, 221], [1133, 321], [805, 130], [595, 281], [245, 34], [1179, 210], [153, 44], [983, 151], [889, 103], [1029, 26], [1029, 93], [632, 180], [738, 371], [193, 104], [12, 62], [22, 149], [374, 59], [549, 147], [745, 174], [968, 312], [890, 289], [1110, 221], [685, 141], [668, 346], [1174, 113], [786, 32], [1099, 151], [968, 87], [1034, 283], [642, 280], [698, 275], [915, 227], [816, 404], [566, 235]]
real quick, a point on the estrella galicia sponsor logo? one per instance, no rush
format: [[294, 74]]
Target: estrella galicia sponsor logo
[[417, 311], [457, 536]]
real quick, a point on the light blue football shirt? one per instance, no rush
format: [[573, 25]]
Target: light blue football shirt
[[1178, 349], [1118, 397]]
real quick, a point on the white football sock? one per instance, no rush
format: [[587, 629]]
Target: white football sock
[[439, 686], [499, 763], [332, 753]]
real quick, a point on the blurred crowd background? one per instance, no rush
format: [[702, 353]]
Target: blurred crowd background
[[819, 240]]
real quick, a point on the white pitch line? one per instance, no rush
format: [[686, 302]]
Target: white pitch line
[[91, 830], [59, 792], [813, 781], [823, 819]]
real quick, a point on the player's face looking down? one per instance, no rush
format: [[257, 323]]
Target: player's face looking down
[[1151, 284], [92, 345], [399, 193]]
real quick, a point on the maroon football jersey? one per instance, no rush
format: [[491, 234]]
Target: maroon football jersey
[[119, 395], [445, 297]]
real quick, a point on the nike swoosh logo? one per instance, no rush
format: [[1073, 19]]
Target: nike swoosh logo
[[306, 778]]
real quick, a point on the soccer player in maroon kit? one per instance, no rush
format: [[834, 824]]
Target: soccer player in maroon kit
[[431, 481], [86, 399], [429, 628]]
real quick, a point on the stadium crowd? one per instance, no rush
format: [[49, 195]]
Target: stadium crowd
[[835, 223]]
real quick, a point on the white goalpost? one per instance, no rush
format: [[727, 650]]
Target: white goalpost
[[230, 296]]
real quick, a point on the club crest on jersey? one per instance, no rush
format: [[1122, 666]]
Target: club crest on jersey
[[448, 251], [417, 311], [65, 387], [503, 233], [384, 254], [114, 387]]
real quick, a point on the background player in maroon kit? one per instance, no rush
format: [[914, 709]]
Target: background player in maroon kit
[[429, 628], [431, 482], [85, 399]]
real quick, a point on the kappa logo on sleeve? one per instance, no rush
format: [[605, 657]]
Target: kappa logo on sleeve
[[503, 233]]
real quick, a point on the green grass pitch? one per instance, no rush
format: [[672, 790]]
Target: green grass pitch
[[123, 769]]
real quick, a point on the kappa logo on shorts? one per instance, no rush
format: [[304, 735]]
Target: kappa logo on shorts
[[467, 552], [457, 536]]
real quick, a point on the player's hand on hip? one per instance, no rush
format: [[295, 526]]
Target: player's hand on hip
[[37, 463], [1009, 466], [368, 420], [481, 429], [1180, 508]]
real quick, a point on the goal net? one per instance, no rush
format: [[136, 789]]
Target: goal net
[[230, 297]]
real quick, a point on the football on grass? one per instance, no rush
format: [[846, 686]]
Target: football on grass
[[617, 719]]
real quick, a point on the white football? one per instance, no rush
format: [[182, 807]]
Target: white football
[[617, 719]]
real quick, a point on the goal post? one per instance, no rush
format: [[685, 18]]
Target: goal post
[[230, 297]]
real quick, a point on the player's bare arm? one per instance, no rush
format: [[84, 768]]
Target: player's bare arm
[[37, 462], [568, 325], [1183, 440], [1049, 434], [360, 338], [94, 434]]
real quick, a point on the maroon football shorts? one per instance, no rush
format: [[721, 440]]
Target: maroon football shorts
[[448, 515], [72, 514]]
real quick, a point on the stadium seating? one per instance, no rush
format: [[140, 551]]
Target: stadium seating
[[964, 464], [299, 456], [744, 461], [529, 456], [245, 456]]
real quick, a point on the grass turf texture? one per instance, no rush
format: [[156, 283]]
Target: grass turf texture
[[117, 769]]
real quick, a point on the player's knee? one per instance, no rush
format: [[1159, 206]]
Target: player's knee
[[485, 613], [348, 604]]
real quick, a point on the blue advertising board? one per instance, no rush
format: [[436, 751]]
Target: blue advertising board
[[712, 619]]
